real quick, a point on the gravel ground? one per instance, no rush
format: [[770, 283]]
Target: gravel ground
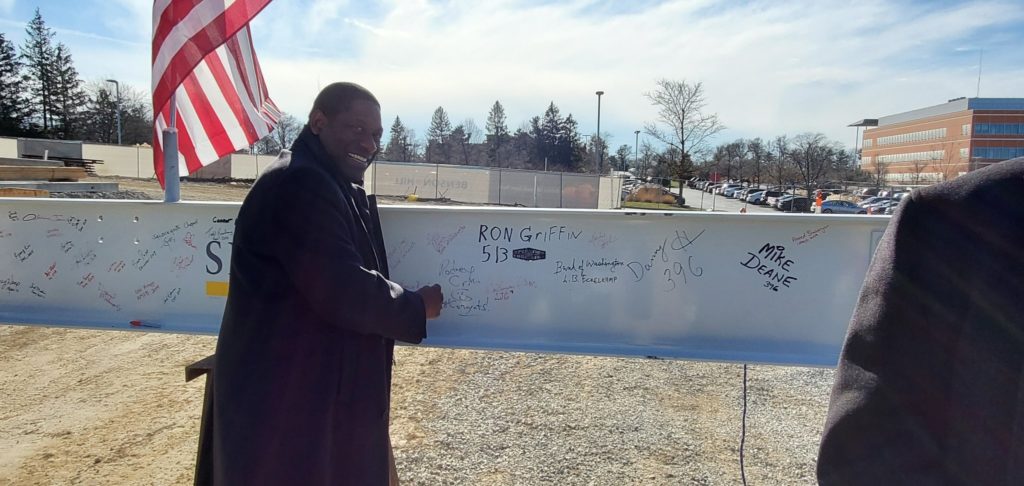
[[105, 407], [514, 418]]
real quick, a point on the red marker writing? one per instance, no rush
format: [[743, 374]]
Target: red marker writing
[[143, 324]]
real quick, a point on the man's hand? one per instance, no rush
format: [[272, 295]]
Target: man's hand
[[432, 299]]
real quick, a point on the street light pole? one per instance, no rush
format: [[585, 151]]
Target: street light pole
[[636, 149], [117, 87], [600, 148]]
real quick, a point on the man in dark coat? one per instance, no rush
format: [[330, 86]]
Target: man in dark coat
[[930, 384], [303, 363]]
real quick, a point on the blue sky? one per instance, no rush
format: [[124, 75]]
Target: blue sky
[[769, 68]]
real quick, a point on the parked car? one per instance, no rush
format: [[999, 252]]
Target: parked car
[[773, 200], [779, 200], [730, 192], [796, 204], [893, 207], [872, 200], [839, 206], [746, 192], [756, 197], [724, 187], [763, 199], [880, 207]]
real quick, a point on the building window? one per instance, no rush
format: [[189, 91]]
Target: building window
[[1001, 153], [913, 156], [921, 136], [963, 153], [868, 142], [965, 129], [999, 128]]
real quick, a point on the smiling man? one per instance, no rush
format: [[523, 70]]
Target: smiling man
[[303, 363]]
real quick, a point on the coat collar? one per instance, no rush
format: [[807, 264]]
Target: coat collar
[[309, 144]]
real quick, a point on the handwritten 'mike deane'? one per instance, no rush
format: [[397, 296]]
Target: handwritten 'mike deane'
[[771, 262]]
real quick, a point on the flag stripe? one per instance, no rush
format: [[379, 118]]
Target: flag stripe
[[248, 116], [189, 39], [239, 50], [184, 47], [224, 99], [203, 55], [203, 118], [166, 21]]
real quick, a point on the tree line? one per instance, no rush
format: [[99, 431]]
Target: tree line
[[42, 95], [808, 160], [551, 140]]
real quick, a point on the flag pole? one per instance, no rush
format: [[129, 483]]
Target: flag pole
[[172, 189]]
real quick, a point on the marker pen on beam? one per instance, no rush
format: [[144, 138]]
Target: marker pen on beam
[[143, 324]]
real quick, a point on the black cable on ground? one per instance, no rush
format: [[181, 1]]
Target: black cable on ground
[[743, 426]]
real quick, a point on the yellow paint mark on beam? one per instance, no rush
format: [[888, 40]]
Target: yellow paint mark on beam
[[216, 289]]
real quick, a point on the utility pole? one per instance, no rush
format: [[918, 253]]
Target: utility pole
[[600, 147]]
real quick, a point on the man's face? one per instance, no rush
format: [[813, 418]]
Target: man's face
[[351, 137]]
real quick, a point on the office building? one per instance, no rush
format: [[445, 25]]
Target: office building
[[941, 142]]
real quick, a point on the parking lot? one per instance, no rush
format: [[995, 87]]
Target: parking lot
[[718, 203]]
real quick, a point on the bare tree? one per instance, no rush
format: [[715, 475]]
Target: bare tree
[[682, 123], [281, 138], [949, 163], [878, 172], [779, 162], [814, 156], [737, 155], [647, 158], [917, 167], [759, 154], [473, 132]]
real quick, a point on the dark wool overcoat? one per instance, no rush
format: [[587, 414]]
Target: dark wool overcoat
[[930, 384], [303, 362]]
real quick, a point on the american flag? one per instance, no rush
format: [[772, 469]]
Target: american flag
[[203, 56]]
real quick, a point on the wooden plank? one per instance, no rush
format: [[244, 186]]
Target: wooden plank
[[22, 192], [17, 173], [10, 161]]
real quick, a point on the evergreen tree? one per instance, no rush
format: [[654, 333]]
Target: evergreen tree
[[68, 97], [573, 150], [440, 126], [99, 122], [398, 143], [521, 146], [497, 134], [38, 54], [556, 141], [459, 139], [437, 136], [621, 158], [13, 106]]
